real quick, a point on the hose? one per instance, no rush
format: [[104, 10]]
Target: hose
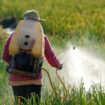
[[64, 97]]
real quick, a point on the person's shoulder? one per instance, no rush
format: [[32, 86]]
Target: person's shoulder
[[10, 36], [45, 37]]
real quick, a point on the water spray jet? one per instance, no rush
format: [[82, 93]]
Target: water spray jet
[[81, 64]]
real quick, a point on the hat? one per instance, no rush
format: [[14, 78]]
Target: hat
[[32, 15]]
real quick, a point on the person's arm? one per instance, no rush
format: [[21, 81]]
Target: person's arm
[[50, 55], [6, 56]]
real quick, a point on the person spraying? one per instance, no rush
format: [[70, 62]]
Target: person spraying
[[24, 52]]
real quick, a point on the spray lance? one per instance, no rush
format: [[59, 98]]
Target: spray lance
[[64, 97], [68, 54]]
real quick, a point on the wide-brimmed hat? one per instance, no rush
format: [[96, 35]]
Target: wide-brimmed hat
[[32, 15]]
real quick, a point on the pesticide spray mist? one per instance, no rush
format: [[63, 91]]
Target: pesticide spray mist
[[80, 64]]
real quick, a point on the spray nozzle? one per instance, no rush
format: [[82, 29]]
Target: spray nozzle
[[73, 47]]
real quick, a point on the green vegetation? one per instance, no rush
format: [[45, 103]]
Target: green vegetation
[[64, 18], [80, 22]]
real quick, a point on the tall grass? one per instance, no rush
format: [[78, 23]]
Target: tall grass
[[76, 96]]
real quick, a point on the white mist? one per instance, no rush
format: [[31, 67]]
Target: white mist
[[81, 64]]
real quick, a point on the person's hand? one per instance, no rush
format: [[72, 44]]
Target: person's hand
[[60, 67]]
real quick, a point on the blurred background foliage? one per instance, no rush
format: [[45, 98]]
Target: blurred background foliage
[[65, 19]]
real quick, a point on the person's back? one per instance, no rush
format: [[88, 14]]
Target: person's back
[[22, 84]]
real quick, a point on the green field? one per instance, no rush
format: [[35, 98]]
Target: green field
[[77, 22], [65, 19]]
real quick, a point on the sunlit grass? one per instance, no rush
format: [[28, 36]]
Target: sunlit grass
[[76, 96], [65, 19]]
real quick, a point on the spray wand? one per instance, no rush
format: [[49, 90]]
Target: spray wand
[[64, 97]]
